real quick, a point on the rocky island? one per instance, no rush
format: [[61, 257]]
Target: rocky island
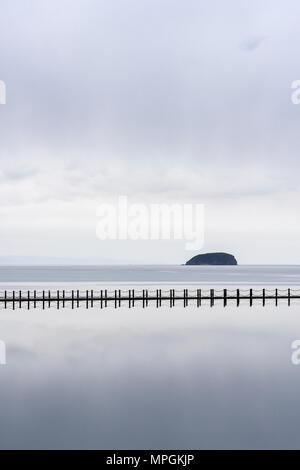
[[213, 259]]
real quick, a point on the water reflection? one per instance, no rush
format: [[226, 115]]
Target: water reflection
[[180, 378]]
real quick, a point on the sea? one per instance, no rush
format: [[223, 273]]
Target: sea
[[155, 378]]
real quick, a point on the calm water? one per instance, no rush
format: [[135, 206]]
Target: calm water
[[212, 275], [154, 378]]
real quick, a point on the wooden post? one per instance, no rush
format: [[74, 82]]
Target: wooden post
[[92, 298], [34, 297], [49, 298], [43, 300], [251, 297], [289, 297], [276, 297], [77, 298], [5, 299], [157, 303], [225, 297], [87, 299], [116, 299], [264, 297], [238, 297], [20, 298], [198, 297], [13, 299], [147, 295], [120, 297], [101, 299], [72, 294], [212, 293], [64, 298], [28, 299], [57, 294]]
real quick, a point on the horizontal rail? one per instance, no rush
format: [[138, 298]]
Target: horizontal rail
[[103, 298]]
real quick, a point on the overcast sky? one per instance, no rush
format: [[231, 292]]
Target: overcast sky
[[160, 100]]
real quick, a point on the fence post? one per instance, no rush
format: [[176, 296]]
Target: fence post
[[238, 297], [276, 297], [198, 297], [212, 293], [289, 297], [264, 297], [251, 297], [225, 297]]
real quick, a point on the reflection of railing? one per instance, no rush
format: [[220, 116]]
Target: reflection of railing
[[132, 297]]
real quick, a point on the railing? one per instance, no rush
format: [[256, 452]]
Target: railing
[[131, 298]]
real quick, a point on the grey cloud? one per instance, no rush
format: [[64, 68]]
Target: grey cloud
[[104, 97], [19, 353], [253, 43], [19, 173]]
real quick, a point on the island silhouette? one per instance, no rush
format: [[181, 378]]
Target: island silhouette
[[214, 259]]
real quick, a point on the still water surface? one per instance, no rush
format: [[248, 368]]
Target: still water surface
[[154, 378]]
